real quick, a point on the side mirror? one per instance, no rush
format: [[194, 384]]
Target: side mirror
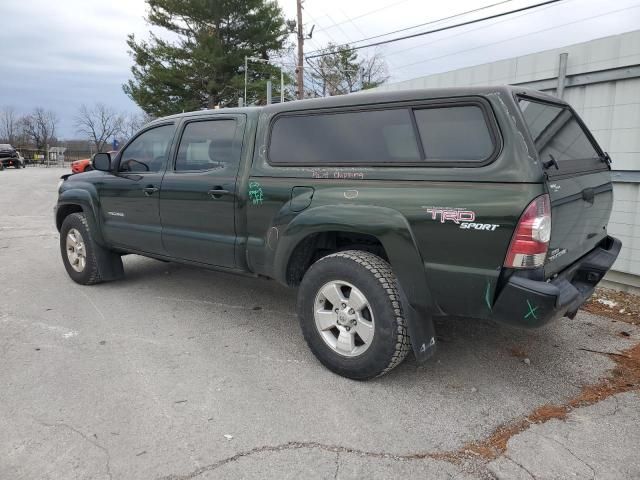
[[102, 162]]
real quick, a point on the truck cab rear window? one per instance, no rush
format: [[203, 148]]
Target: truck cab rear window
[[389, 136], [557, 133]]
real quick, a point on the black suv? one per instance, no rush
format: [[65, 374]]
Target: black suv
[[9, 157]]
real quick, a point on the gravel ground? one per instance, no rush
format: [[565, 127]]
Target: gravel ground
[[175, 372]]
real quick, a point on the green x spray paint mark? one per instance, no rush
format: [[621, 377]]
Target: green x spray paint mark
[[532, 311]]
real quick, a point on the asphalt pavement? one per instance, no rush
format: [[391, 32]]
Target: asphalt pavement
[[180, 373]]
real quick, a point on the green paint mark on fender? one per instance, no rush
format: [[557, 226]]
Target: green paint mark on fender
[[532, 311], [487, 295], [256, 195]]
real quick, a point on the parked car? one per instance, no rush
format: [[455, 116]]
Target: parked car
[[9, 157], [384, 210], [84, 164]]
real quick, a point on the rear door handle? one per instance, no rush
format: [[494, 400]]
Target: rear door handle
[[150, 190], [218, 192]]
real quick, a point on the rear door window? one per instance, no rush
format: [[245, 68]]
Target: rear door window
[[557, 134], [206, 145]]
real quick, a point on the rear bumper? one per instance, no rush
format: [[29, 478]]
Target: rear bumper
[[524, 302], [10, 161]]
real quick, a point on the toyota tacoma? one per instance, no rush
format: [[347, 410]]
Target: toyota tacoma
[[384, 210]]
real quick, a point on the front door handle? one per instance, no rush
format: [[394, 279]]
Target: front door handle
[[218, 192], [150, 190]]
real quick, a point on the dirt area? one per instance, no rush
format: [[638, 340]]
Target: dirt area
[[619, 306], [624, 377]]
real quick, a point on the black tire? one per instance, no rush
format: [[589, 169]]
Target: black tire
[[100, 263], [376, 281], [1, 166]]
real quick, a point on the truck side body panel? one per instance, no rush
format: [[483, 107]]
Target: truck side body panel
[[461, 257]]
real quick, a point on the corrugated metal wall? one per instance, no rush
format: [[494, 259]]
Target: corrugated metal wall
[[610, 108]]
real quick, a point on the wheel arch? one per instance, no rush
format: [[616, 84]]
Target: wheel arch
[[79, 201], [387, 231]]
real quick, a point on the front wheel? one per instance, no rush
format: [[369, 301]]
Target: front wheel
[[85, 261], [351, 314]]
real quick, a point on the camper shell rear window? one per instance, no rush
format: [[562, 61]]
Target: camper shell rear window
[[558, 134]]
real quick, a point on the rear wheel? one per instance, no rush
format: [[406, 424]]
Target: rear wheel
[[351, 314]]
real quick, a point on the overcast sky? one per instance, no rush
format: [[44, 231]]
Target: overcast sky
[[59, 55]]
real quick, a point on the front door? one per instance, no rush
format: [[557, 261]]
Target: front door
[[198, 196], [129, 199]]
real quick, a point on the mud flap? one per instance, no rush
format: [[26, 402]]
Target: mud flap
[[109, 264], [422, 334]]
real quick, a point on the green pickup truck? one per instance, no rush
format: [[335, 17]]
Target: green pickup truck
[[384, 210]]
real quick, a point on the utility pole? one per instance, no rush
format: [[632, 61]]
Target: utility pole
[[299, 71]]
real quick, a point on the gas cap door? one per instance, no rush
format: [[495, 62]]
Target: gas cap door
[[301, 198]]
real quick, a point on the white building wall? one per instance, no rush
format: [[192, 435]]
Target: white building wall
[[611, 110]]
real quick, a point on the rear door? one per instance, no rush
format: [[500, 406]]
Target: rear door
[[578, 180], [198, 194]]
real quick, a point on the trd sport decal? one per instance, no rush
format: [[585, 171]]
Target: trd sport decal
[[460, 216], [479, 226], [455, 215]]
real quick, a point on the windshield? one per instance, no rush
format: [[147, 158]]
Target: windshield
[[557, 134]]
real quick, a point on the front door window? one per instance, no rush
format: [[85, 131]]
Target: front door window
[[148, 152]]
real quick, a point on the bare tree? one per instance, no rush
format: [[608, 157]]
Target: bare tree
[[134, 122], [373, 71], [9, 123], [99, 124], [342, 71], [40, 127]]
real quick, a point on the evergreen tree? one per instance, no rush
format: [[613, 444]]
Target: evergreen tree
[[203, 65]]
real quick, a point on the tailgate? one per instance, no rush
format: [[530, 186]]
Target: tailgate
[[578, 180]]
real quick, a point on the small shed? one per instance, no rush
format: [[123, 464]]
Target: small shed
[[56, 154]]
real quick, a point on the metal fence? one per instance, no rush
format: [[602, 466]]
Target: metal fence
[[42, 158]]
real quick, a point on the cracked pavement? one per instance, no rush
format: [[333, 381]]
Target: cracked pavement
[[143, 378]]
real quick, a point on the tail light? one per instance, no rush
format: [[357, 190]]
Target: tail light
[[530, 242]]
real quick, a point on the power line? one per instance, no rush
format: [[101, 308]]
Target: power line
[[339, 27], [516, 37], [363, 15], [465, 32], [315, 22], [423, 24], [351, 21], [441, 29]]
